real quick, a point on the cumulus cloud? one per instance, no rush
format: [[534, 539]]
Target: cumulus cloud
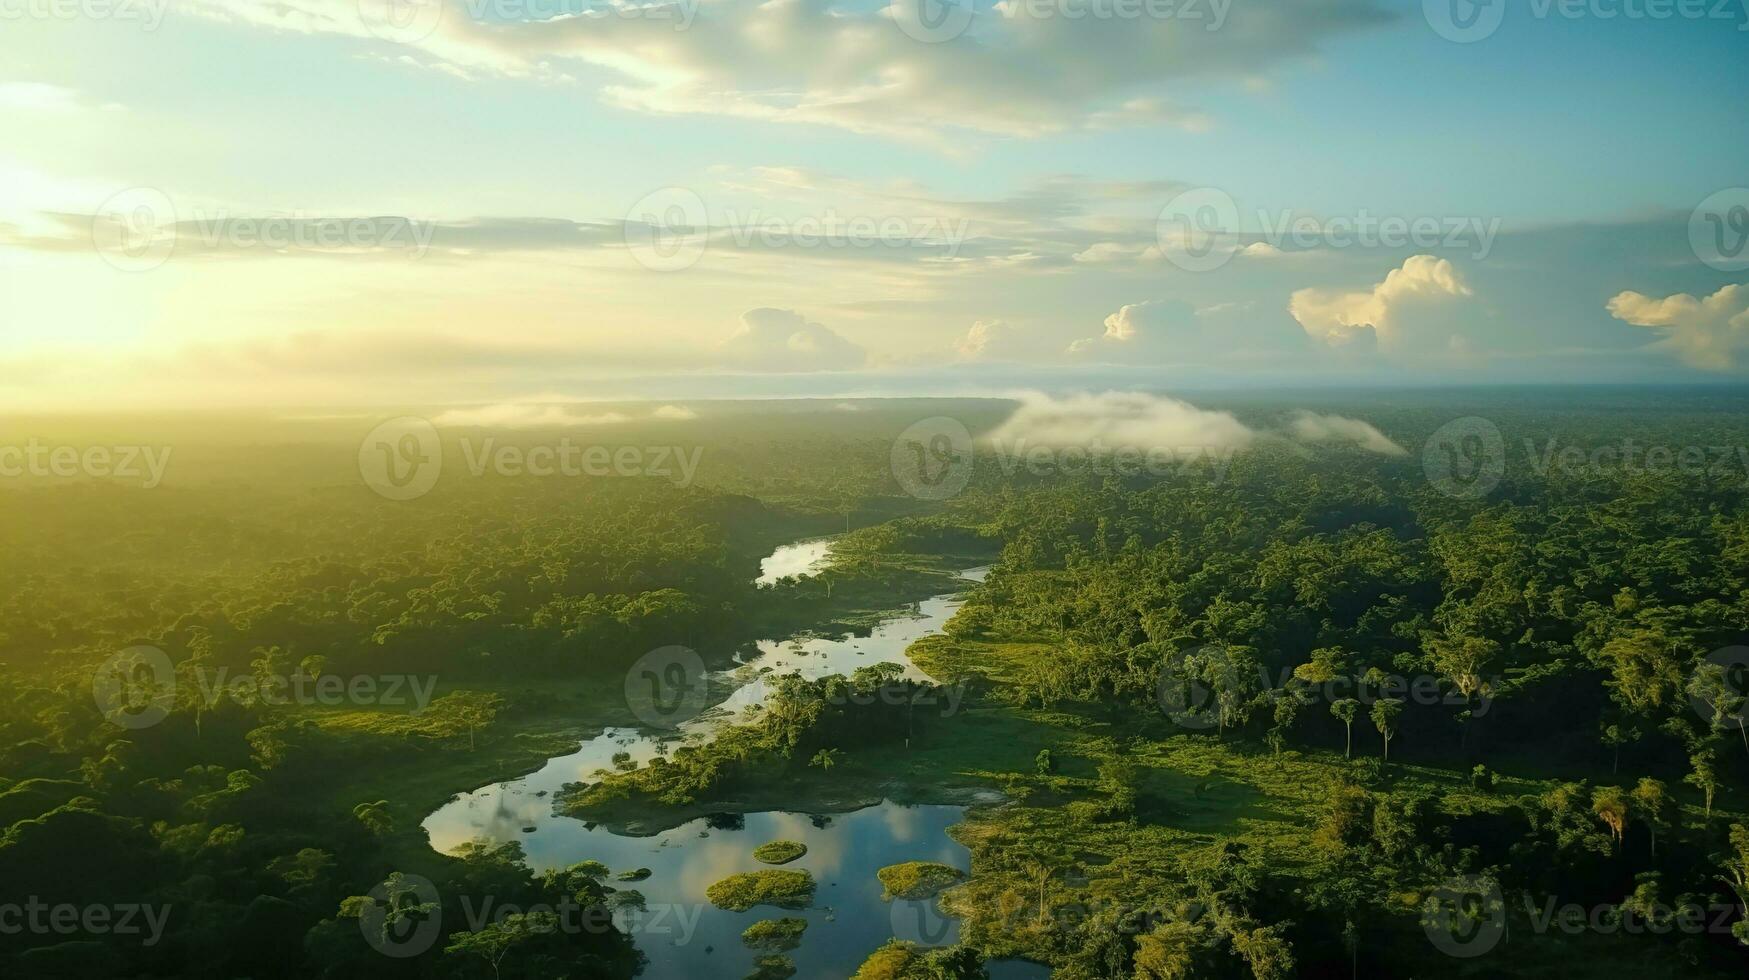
[[783, 340], [1313, 427], [987, 340], [1703, 333], [1390, 313], [1149, 331], [524, 415], [1116, 419]]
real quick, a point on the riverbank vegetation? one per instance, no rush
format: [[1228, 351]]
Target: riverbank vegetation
[[1305, 713]]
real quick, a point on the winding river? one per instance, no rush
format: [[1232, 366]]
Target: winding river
[[681, 934]]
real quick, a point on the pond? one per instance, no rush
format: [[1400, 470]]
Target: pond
[[681, 933]]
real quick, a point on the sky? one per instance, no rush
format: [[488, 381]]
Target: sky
[[208, 203]]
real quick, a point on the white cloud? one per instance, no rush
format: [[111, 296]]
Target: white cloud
[[1117, 419], [1313, 427], [674, 413], [987, 339], [1703, 333], [1387, 313], [524, 415], [1152, 330], [38, 97], [854, 67], [783, 340]]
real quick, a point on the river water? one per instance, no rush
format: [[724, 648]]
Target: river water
[[681, 934]]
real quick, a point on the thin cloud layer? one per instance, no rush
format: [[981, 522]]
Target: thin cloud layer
[[1314, 427], [1116, 419], [1009, 73]]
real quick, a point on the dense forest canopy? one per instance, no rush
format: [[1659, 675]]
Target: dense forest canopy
[[1536, 687]]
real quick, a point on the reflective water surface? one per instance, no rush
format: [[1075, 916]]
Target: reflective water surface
[[681, 933]]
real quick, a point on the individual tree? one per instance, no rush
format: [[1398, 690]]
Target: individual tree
[[1463, 660], [825, 759], [1039, 865], [1711, 686], [1645, 668], [1265, 950], [469, 710], [1168, 953], [1703, 776], [1615, 735], [1651, 803], [497, 939], [1736, 865], [1384, 718], [1287, 705], [1325, 665], [1346, 709], [1613, 807], [375, 817]]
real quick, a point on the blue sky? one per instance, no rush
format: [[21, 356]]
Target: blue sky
[[861, 210]]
